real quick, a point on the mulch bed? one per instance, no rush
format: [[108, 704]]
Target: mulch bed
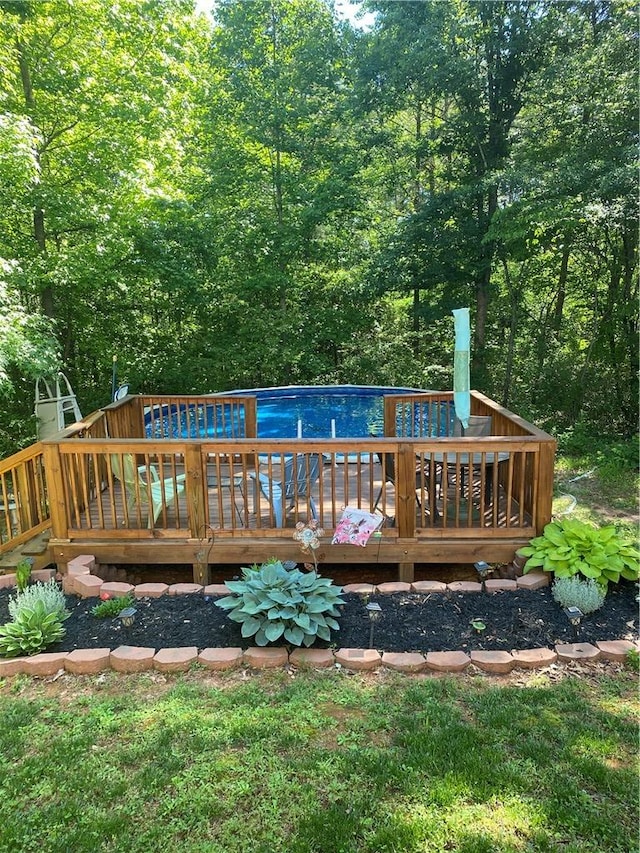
[[410, 622]]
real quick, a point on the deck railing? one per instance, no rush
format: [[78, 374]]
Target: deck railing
[[24, 505], [424, 482], [215, 416], [192, 486]]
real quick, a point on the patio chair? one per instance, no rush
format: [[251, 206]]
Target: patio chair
[[300, 472], [143, 485], [478, 425], [387, 460]]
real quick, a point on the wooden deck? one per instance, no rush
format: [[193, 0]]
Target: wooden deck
[[74, 485]]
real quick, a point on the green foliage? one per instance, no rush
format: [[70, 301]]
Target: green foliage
[[112, 606], [632, 660], [299, 202], [586, 594], [31, 632], [273, 601], [26, 339], [570, 547], [48, 593], [23, 573]]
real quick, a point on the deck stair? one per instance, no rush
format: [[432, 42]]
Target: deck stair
[[36, 548]]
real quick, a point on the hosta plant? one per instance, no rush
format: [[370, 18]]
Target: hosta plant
[[48, 593], [277, 601], [570, 547], [32, 631]]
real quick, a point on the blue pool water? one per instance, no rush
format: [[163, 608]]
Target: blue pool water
[[356, 410]]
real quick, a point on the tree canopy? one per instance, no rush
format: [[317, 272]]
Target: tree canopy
[[270, 196]]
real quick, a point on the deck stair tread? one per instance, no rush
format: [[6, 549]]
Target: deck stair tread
[[38, 547]]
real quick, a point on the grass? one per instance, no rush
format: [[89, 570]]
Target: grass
[[603, 478], [322, 762]]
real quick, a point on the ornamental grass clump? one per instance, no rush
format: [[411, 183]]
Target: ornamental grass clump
[[586, 595], [277, 600], [570, 547]]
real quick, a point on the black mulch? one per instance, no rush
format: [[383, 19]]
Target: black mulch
[[409, 622]]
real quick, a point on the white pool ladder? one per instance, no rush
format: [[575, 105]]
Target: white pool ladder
[[55, 401]]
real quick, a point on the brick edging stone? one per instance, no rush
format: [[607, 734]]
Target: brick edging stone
[[80, 580]]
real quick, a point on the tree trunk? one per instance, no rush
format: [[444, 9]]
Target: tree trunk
[[483, 284], [511, 342], [39, 231], [562, 286]]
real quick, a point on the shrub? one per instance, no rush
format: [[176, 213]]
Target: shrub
[[32, 631], [23, 573], [574, 592], [48, 593], [112, 606], [569, 547], [632, 660], [274, 601]]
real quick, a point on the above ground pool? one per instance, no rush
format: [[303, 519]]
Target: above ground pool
[[311, 411], [346, 411]]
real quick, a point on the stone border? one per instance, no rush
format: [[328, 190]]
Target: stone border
[[80, 580]]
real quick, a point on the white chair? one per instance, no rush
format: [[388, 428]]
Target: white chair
[[299, 473]]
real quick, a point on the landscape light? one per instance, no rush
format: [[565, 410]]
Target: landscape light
[[482, 568], [574, 615], [128, 616], [375, 612]]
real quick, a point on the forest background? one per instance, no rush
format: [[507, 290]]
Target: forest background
[[273, 196]]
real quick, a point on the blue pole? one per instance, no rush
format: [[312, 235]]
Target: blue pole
[[461, 380]]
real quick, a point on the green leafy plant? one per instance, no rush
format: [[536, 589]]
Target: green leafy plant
[[32, 631], [478, 625], [276, 600], [112, 606], [570, 547], [632, 660], [48, 593], [575, 592], [23, 573]]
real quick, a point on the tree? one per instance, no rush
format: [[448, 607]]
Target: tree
[[282, 190], [470, 62], [104, 92], [572, 218]]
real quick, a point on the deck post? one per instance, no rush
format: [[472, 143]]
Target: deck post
[[544, 493], [250, 418], [55, 488], [193, 465], [406, 503]]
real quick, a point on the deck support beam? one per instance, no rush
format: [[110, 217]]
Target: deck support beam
[[406, 572]]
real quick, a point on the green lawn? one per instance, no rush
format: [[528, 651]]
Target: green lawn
[[322, 762]]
